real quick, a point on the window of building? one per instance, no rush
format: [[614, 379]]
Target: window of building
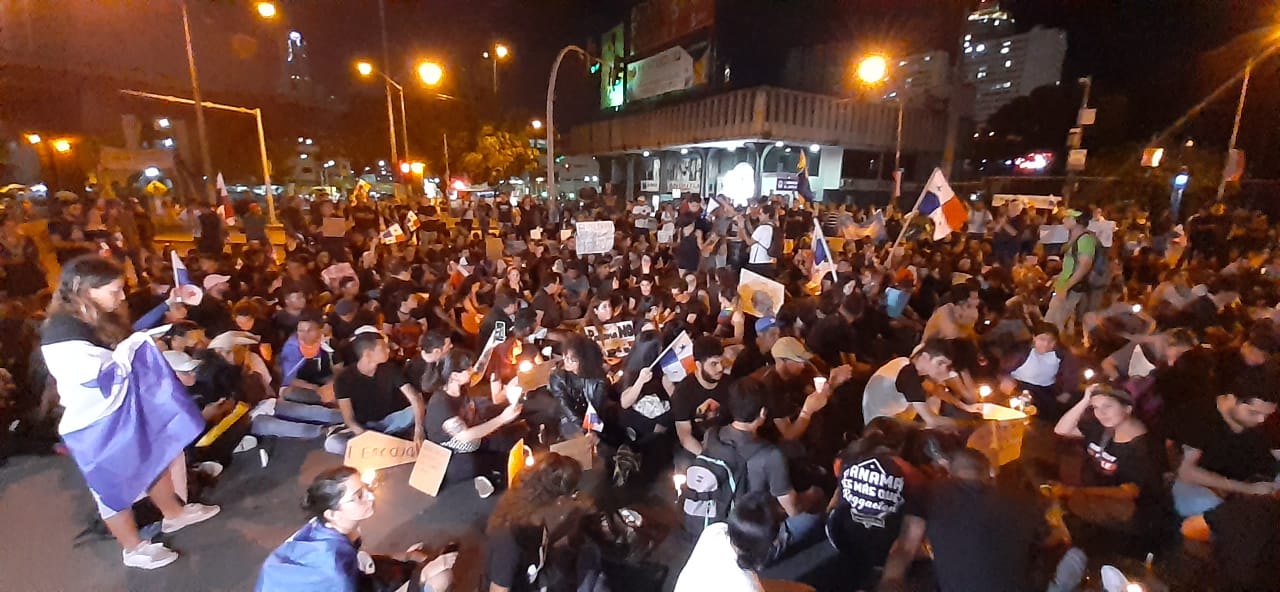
[[1004, 50], [981, 47], [1008, 63], [982, 74]]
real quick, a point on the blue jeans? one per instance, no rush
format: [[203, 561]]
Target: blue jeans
[[1193, 500], [398, 424], [295, 420], [797, 532]]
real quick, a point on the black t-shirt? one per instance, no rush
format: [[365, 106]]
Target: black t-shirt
[[551, 314], [705, 408], [372, 397], [786, 397], [363, 217], [750, 359], [982, 537], [516, 557], [875, 493], [1111, 464], [651, 409], [830, 337], [1244, 456]]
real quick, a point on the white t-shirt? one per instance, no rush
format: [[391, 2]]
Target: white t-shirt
[[978, 221], [1039, 369], [713, 565], [763, 237]]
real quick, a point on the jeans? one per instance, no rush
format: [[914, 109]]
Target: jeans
[[797, 532], [397, 424], [295, 420], [1063, 311], [298, 394], [1193, 500]]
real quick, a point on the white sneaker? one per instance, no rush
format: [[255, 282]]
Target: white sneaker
[[149, 556], [246, 443], [210, 468], [191, 514], [484, 487]]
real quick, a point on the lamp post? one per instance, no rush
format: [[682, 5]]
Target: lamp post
[[873, 70], [551, 126], [429, 72], [262, 138], [499, 52]]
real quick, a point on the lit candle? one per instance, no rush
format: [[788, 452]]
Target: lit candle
[[819, 383], [525, 366], [1134, 587], [1137, 308], [678, 481], [1088, 373], [369, 476], [984, 391]]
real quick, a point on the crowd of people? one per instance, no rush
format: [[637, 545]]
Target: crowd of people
[[1144, 355]]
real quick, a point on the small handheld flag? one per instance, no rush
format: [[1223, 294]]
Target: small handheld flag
[[392, 235], [411, 221], [225, 209], [823, 261], [803, 187], [187, 291], [677, 361]]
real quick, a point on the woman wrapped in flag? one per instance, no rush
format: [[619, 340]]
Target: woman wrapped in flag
[[126, 418]]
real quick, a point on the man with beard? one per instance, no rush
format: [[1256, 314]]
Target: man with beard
[[698, 399]]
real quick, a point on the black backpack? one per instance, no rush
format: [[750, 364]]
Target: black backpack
[[1100, 274], [776, 242], [712, 482]]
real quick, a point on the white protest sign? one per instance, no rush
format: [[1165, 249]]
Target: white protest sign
[[371, 451], [594, 237], [428, 470], [615, 339]]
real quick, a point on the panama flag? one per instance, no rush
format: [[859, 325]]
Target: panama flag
[[128, 417], [225, 210], [940, 204], [676, 361], [411, 221], [393, 234], [823, 261], [187, 291]]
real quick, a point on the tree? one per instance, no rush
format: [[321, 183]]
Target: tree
[[499, 155]]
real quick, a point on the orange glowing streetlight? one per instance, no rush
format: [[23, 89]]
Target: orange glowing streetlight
[[430, 73], [33, 138], [873, 69], [62, 145], [364, 68], [266, 10]]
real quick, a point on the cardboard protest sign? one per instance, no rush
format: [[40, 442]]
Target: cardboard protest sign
[[615, 339], [519, 458], [566, 234], [429, 469], [580, 449], [535, 234], [493, 248], [1000, 437], [371, 451], [333, 227], [537, 377], [760, 296], [333, 274], [594, 237]]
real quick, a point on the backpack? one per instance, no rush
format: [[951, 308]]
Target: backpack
[[776, 242], [712, 483], [1100, 274]]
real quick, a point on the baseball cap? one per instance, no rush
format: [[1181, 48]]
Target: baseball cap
[[180, 361], [214, 279], [790, 348], [766, 323], [233, 338], [364, 329]]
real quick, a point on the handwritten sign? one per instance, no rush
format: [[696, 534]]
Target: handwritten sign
[[594, 237], [372, 451], [333, 227], [429, 469], [537, 376], [493, 248], [760, 296], [615, 339], [580, 449]]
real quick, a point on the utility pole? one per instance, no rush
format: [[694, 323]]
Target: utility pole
[[386, 63], [206, 165], [1235, 128], [1073, 139]]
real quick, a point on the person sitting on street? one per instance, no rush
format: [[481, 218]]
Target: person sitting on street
[[465, 425], [307, 363], [373, 394]]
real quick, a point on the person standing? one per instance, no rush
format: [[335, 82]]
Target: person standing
[[1070, 286], [106, 378]]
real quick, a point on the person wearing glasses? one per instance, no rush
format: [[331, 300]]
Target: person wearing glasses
[[325, 553]]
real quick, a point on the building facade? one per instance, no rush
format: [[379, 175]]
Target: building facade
[[1002, 65]]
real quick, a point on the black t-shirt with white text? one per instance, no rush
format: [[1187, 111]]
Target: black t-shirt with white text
[[875, 493]]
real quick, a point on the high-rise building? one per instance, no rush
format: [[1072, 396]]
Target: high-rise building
[[297, 66], [920, 77], [1003, 66]]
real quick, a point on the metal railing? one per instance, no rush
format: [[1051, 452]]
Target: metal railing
[[763, 113]]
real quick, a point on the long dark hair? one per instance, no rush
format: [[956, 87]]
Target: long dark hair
[[643, 353], [457, 360], [70, 298], [590, 358], [552, 476], [326, 491]]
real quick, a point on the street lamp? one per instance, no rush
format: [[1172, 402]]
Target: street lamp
[[551, 128], [430, 73], [873, 70], [266, 10], [500, 52], [536, 124], [33, 138], [61, 146], [364, 68]]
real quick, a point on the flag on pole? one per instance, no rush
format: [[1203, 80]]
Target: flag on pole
[[873, 229], [940, 204], [393, 234], [225, 209], [823, 261], [187, 291], [802, 186], [676, 361], [412, 222]]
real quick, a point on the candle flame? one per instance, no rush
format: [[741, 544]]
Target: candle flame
[[369, 476]]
